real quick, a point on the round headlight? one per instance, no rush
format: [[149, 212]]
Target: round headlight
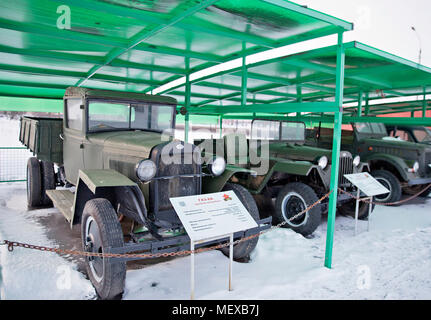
[[357, 161], [416, 167], [146, 170], [217, 166], [323, 162]]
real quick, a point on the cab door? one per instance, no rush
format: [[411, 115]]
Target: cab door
[[73, 138]]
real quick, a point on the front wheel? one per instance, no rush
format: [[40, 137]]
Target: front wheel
[[349, 209], [390, 182], [293, 199], [100, 229], [242, 250]]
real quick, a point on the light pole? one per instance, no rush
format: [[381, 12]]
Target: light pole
[[420, 44]]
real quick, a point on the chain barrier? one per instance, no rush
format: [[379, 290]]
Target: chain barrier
[[12, 244], [386, 203]]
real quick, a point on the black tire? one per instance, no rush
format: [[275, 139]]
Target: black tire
[[349, 209], [412, 190], [298, 197], [34, 183], [391, 182], [242, 250], [101, 229], [48, 180]]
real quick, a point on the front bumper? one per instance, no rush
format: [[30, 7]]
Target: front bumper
[[417, 181], [179, 243]]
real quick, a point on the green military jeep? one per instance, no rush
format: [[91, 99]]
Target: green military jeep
[[271, 161], [117, 164], [398, 165]]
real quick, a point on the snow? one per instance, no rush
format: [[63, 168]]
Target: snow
[[392, 261]]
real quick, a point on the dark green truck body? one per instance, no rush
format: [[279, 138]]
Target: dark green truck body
[[42, 137]]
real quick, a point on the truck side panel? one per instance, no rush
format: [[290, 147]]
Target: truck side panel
[[42, 137]]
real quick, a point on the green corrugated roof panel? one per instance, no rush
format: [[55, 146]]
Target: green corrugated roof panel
[[311, 76], [139, 45]]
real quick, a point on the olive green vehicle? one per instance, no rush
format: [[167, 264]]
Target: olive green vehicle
[[295, 175], [398, 165], [112, 165]]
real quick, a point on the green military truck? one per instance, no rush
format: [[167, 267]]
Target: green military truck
[[295, 175], [398, 165], [111, 164]]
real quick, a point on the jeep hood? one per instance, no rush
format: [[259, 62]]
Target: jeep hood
[[297, 152]]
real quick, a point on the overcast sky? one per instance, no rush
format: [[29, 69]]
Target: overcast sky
[[384, 24]]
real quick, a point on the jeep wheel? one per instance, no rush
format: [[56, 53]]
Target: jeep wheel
[[48, 180], [391, 182], [100, 229], [412, 190], [34, 185], [242, 250], [291, 200], [349, 209]]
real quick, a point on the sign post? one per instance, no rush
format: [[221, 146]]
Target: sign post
[[212, 217], [370, 187]]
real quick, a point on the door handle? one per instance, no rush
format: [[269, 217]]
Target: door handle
[[61, 136]]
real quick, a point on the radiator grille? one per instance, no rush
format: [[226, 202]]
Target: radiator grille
[[346, 167], [163, 189]]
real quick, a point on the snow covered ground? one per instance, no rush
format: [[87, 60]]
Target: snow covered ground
[[392, 261]]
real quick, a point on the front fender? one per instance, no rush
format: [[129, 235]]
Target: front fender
[[107, 184], [397, 162], [211, 184]]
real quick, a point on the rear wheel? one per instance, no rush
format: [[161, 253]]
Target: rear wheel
[[100, 230], [242, 250], [293, 199], [34, 183], [391, 182], [48, 180]]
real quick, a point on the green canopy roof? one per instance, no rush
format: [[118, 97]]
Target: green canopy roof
[[310, 77], [139, 45]]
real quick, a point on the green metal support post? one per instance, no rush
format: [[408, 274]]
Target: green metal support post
[[338, 121], [244, 76], [221, 127], [187, 101], [367, 104], [424, 104], [360, 101]]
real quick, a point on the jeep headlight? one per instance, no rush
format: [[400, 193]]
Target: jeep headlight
[[323, 162], [356, 161], [217, 166], [146, 170], [416, 167]]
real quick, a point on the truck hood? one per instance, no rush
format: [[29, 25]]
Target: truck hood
[[405, 145], [137, 142]]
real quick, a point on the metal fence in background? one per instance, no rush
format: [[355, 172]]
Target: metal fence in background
[[13, 163]]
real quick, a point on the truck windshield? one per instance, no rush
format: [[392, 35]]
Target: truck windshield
[[376, 130], [278, 130], [112, 116]]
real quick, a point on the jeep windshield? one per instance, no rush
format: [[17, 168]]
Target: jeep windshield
[[371, 130], [278, 131], [120, 115]]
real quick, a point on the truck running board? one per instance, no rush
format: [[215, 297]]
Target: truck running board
[[63, 201]]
